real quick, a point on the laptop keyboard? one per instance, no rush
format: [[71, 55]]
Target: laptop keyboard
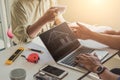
[[70, 59]]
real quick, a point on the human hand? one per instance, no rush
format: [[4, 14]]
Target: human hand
[[89, 61], [81, 31], [50, 14], [53, 13], [61, 8], [59, 18]]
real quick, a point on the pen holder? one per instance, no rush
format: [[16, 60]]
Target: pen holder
[[18, 74]]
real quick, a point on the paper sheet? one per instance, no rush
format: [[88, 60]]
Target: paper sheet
[[100, 53], [92, 44]]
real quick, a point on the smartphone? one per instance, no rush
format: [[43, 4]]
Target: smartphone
[[54, 71]]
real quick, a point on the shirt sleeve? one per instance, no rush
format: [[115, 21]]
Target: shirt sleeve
[[19, 22]]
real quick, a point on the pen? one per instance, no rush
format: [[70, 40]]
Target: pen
[[39, 51]]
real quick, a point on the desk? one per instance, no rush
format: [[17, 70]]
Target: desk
[[32, 68]]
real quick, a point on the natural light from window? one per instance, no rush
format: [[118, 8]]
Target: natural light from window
[[103, 12]]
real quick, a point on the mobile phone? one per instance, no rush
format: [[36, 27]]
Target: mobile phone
[[54, 71]]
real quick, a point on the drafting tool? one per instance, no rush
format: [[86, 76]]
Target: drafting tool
[[39, 51], [14, 56]]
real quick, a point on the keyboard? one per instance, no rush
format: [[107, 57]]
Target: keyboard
[[70, 60]]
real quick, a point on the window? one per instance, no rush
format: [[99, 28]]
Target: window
[[2, 46], [4, 40]]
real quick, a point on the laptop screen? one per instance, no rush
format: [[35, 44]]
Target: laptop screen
[[59, 41]]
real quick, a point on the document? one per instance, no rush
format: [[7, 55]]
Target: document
[[101, 54], [92, 44]]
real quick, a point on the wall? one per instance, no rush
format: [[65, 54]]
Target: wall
[[101, 12]]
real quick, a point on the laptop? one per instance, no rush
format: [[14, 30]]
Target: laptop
[[63, 46]]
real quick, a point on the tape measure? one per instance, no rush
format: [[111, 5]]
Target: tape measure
[[14, 56], [33, 57]]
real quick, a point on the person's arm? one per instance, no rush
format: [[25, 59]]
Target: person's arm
[[84, 33], [49, 16], [107, 75], [93, 64], [21, 27], [110, 40], [111, 32]]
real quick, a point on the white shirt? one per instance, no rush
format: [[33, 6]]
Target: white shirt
[[25, 13]]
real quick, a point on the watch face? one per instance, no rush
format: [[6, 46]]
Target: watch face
[[99, 69]]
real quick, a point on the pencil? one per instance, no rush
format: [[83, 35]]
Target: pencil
[[39, 51]]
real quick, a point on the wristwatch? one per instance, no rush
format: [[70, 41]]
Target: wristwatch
[[100, 70]]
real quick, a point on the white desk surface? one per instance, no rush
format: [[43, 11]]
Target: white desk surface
[[32, 68]]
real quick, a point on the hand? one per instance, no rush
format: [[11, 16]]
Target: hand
[[59, 19], [89, 61], [61, 8], [81, 31], [50, 14]]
